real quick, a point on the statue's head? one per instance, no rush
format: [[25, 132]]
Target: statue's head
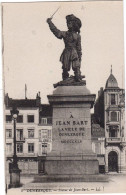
[[73, 23]]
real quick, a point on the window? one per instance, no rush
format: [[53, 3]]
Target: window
[[44, 135], [31, 148], [20, 119], [113, 133], [113, 116], [44, 148], [8, 118], [20, 148], [9, 147], [44, 121], [49, 120], [113, 99], [8, 133], [30, 118], [49, 135], [19, 134], [39, 133], [30, 133]]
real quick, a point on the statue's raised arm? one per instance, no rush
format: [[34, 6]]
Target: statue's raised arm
[[71, 55], [53, 28]]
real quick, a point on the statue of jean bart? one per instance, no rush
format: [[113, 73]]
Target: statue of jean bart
[[71, 55]]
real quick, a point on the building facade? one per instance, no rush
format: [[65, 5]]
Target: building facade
[[110, 109], [33, 132]]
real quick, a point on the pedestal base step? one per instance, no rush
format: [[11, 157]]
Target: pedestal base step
[[72, 167], [70, 178]]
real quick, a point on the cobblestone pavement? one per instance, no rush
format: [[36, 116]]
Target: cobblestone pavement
[[116, 184]]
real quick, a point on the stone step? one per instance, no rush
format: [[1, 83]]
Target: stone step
[[71, 178]]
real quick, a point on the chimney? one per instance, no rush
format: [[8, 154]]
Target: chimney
[[38, 99], [6, 100], [100, 91]]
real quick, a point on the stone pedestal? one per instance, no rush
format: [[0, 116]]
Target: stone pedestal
[[71, 133], [14, 177]]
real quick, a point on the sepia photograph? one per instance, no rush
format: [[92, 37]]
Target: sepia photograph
[[64, 97]]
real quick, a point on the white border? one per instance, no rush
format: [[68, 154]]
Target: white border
[[2, 179]]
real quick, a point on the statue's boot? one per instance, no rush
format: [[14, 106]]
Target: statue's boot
[[77, 74], [65, 74]]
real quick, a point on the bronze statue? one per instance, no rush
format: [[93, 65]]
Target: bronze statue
[[71, 55]]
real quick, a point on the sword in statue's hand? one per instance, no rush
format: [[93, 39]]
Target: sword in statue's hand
[[52, 15]]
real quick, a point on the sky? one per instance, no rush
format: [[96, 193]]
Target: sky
[[31, 52]]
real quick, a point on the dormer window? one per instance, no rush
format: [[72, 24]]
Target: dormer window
[[44, 121]]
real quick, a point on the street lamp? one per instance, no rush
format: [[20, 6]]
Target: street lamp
[[14, 170]]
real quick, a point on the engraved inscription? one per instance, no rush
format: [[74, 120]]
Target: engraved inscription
[[71, 131]]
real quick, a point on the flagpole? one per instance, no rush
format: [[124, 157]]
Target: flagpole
[[25, 91]]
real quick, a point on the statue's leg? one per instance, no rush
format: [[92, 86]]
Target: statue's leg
[[76, 69], [65, 74]]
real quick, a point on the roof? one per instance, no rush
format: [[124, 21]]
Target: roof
[[111, 82], [22, 103], [10, 102], [46, 110]]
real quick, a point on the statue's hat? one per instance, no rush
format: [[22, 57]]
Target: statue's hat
[[74, 18]]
